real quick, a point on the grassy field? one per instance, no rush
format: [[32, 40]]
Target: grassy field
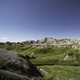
[[51, 61], [58, 72]]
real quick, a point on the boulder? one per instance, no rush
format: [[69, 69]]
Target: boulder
[[14, 67]]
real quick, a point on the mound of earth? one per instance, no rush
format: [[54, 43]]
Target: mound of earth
[[14, 67]]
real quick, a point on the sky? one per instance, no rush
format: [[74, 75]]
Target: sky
[[34, 19]]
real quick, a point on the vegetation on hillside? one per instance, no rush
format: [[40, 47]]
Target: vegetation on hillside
[[56, 63]]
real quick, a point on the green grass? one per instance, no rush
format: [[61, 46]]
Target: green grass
[[52, 61], [58, 72], [49, 56]]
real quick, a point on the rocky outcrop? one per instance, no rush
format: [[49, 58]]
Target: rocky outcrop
[[14, 67]]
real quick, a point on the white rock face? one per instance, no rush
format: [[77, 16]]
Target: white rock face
[[69, 57], [43, 71], [66, 57]]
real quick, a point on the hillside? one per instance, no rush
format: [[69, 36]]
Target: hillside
[[55, 63]]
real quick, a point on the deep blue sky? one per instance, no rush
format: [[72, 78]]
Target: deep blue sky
[[35, 19]]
